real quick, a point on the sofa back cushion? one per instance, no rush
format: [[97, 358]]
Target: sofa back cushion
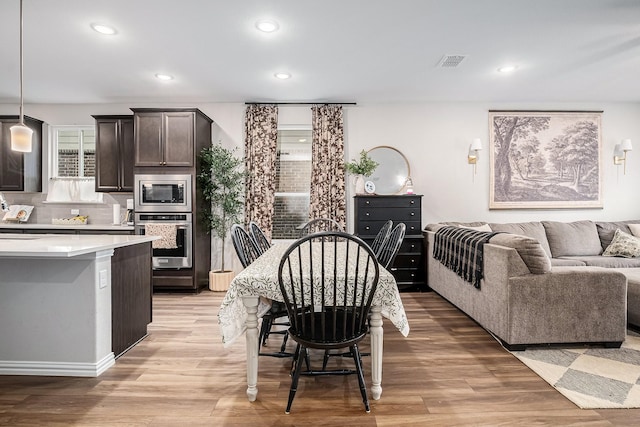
[[572, 238], [606, 230], [535, 230], [529, 249]]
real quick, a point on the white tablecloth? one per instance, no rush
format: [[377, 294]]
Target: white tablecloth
[[261, 279]]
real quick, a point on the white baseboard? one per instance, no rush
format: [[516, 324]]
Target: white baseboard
[[58, 369]]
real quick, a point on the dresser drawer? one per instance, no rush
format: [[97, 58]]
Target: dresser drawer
[[410, 244], [394, 214], [368, 228], [407, 260], [407, 274], [388, 202]]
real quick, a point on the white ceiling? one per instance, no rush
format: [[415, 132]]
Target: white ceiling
[[365, 51]]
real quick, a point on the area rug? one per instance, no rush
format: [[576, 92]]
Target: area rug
[[591, 377]]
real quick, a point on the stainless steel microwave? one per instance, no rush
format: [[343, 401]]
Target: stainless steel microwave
[[162, 193]]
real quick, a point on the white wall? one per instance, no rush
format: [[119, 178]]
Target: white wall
[[435, 137]]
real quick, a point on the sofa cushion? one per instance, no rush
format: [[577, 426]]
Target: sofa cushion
[[624, 245], [635, 229], [484, 228], [567, 262], [602, 261], [534, 230], [606, 230], [529, 249], [572, 238]]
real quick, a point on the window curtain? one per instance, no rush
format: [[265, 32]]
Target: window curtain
[[327, 196], [260, 146]]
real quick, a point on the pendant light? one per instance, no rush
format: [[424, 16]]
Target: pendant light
[[21, 135]]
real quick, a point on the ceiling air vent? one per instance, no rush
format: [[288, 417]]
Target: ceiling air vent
[[451, 61]]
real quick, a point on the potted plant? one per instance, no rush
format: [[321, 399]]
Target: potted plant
[[365, 166], [222, 184]]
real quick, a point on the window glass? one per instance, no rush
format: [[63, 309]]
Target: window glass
[[74, 153], [293, 180]]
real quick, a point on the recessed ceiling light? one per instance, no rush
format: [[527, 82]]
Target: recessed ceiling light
[[104, 29], [507, 68], [267, 25], [282, 76], [164, 77]]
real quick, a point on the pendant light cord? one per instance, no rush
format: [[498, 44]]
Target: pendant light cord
[[21, 66]]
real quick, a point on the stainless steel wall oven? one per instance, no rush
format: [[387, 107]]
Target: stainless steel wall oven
[[170, 258]]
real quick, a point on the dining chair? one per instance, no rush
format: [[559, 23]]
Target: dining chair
[[381, 237], [277, 310], [259, 237], [391, 246], [246, 248], [328, 281], [320, 224]]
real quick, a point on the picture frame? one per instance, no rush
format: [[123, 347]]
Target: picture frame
[[545, 159]]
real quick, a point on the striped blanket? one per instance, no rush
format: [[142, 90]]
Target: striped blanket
[[461, 250]]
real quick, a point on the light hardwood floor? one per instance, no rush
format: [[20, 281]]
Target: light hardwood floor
[[448, 372]]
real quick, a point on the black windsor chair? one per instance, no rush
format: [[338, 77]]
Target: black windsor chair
[[320, 224], [259, 237], [248, 251], [381, 237], [328, 281], [246, 248], [391, 246]]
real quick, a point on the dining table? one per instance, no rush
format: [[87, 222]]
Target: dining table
[[250, 295]]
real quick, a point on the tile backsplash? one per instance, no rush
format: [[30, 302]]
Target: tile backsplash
[[43, 213]]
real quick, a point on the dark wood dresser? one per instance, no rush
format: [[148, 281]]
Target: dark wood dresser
[[370, 214]]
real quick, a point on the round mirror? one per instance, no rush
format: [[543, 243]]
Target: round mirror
[[392, 172]]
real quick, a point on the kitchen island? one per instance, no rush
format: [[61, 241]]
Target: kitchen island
[[67, 301]]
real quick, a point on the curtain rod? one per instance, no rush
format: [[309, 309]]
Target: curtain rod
[[300, 103]]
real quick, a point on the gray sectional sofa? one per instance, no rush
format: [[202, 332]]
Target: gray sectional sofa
[[546, 282]]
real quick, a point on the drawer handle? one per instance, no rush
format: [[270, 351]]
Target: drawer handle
[[413, 246], [367, 202], [413, 274], [367, 228], [413, 261], [367, 214], [413, 228], [412, 202], [413, 213]]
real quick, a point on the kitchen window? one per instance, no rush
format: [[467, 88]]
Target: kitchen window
[[72, 165], [73, 151], [293, 181]]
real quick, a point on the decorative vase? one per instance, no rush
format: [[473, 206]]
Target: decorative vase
[[359, 184], [219, 280]]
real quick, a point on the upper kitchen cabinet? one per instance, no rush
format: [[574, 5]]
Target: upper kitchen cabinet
[[169, 137], [114, 153], [20, 171]]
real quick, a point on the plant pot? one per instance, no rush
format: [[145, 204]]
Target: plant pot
[[219, 280], [359, 184]]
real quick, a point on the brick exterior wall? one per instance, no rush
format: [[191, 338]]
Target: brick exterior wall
[[293, 176], [68, 163]]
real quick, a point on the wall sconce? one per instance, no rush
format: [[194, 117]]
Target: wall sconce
[[620, 154], [472, 157]]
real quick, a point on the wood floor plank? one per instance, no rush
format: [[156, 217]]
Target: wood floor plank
[[448, 372]]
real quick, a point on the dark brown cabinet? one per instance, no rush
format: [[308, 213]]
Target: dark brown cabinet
[[114, 153], [164, 138], [20, 171], [370, 214], [168, 141]]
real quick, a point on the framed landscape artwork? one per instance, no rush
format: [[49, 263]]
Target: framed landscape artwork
[[545, 159]]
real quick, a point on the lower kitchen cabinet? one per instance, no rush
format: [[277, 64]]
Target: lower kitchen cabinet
[[131, 296]]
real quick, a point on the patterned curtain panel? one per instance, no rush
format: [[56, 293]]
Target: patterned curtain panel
[[260, 145], [327, 198]]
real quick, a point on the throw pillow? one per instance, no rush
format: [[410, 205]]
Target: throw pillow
[[635, 229], [484, 227], [624, 245]]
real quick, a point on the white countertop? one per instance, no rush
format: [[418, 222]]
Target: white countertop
[[63, 245], [26, 226]]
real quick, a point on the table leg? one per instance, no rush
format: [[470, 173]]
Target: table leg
[[375, 331], [251, 303]]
